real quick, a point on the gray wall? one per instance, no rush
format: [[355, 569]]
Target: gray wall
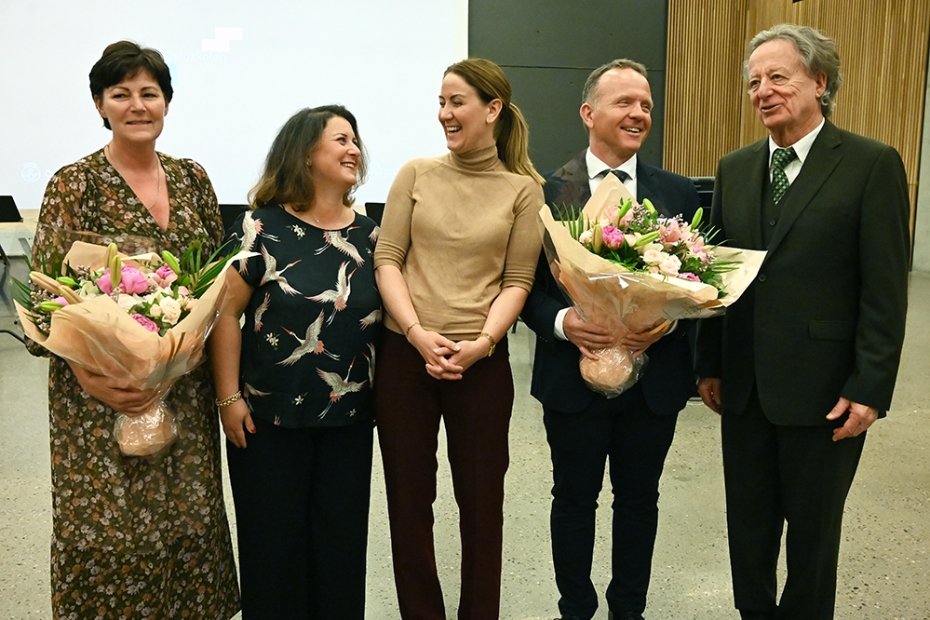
[[548, 47]]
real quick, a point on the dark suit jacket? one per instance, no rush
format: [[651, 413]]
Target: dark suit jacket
[[668, 380], [825, 316]]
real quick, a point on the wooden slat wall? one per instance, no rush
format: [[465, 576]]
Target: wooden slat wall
[[883, 45], [703, 87]]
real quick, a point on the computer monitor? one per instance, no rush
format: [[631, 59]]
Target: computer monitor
[[8, 210]]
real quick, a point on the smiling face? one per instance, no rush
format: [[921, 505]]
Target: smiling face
[[135, 108], [336, 158], [467, 121], [619, 117], [785, 97]]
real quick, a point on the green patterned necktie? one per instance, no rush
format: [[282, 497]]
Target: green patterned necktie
[[780, 159]]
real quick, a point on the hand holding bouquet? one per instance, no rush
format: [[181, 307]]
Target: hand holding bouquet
[[139, 320], [628, 268]]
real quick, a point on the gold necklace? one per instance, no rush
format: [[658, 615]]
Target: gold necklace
[[106, 152]]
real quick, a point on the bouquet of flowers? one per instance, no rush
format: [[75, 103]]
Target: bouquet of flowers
[[141, 319], [632, 270]]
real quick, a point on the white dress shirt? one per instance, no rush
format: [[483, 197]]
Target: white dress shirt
[[802, 149]]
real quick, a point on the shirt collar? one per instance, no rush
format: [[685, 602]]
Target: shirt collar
[[802, 147], [596, 166]]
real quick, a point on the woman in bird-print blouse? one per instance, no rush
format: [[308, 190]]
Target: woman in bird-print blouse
[[294, 384]]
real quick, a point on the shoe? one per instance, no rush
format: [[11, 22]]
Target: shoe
[[625, 615]]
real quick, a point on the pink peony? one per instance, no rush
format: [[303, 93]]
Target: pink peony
[[613, 237], [166, 276], [103, 282], [146, 322], [133, 281]]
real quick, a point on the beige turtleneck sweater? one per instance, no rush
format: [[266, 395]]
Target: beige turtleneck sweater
[[460, 228]]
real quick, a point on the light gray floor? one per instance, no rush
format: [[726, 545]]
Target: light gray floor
[[884, 571]]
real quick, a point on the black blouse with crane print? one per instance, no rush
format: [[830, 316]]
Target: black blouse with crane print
[[313, 321]]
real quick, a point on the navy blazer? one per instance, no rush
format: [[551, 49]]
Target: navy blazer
[[825, 316], [668, 380]]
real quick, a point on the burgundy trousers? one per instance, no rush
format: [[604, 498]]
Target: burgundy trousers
[[476, 413]]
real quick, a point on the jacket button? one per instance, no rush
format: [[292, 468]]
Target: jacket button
[[761, 277]]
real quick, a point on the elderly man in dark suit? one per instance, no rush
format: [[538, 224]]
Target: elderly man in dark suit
[[805, 361], [584, 428]]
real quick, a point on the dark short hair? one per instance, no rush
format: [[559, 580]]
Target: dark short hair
[[589, 92], [125, 60], [286, 177]]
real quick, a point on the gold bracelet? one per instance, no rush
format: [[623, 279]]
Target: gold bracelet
[[225, 402], [409, 327], [491, 340]]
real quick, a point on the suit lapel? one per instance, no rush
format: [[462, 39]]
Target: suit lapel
[[647, 186], [571, 185], [744, 222], [824, 155]]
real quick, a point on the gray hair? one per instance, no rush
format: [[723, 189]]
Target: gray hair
[[818, 52], [589, 92]]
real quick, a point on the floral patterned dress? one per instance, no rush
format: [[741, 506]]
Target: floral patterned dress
[[134, 538]]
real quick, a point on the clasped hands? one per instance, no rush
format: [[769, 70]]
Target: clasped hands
[[446, 359], [590, 336], [861, 417]]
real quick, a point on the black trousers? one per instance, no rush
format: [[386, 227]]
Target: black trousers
[[785, 474], [302, 498], [636, 441]]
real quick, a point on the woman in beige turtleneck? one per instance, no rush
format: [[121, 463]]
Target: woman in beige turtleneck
[[454, 263]]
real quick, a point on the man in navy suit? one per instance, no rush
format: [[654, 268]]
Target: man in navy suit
[[583, 428], [805, 361]]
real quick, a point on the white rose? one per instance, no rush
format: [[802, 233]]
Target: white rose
[[171, 310], [670, 265], [654, 257], [586, 238], [126, 302], [154, 311]]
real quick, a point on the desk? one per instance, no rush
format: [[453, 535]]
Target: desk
[[16, 237]]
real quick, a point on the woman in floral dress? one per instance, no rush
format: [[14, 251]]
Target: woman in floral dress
[[295, 382], [134, 538]]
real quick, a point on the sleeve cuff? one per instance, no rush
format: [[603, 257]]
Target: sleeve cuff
[[557, 328]]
